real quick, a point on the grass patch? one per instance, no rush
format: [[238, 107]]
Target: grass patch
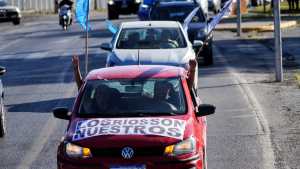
[[284, 7], [297, 77]]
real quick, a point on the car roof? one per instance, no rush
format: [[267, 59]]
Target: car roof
[[178, 3], [136, 71], [146, 24]]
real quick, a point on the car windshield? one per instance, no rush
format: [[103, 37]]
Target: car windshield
[[175, 0], [133, 98], [174, 13], [2, 3], [151, 38]]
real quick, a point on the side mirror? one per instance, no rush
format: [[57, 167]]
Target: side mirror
[[197, 44], [205, 109], [106, 46], [61, 113], [2, 70]]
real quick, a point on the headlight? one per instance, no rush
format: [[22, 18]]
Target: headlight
[[137, 1], [184, 147], [111, 2], [144, 6], [75, 151]]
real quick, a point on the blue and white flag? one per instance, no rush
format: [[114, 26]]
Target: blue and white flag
[[217, 19], [111, 27], [82, 12]]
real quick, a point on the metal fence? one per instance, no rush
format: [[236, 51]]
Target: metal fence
[[49, 5]]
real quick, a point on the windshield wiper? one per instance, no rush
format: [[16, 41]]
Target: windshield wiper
[[130, 114], [143, 114]]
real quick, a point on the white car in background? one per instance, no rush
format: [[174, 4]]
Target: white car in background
[[9, 13], [151, 43]]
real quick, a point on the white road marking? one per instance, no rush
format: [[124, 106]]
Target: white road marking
[[266, 144]]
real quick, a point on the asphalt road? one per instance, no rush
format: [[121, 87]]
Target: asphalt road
[[37, 55]]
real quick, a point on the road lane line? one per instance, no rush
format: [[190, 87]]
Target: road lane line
[[265, 140], [45, 133]]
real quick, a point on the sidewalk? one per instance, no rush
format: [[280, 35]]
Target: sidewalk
[[257, 23]]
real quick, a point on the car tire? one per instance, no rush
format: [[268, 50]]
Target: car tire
[[16, 21], [208, 54], [112, 13], [2, 119]]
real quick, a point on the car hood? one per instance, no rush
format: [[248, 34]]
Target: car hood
[[174, 57], [135, 132], [8, 7]]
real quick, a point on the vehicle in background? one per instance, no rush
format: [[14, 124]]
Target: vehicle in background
[[150, 43], [65, 16], [2, 109], [147, 6], [9, 13], [135, 117], [117, 7], [194, 21], [214, 5]]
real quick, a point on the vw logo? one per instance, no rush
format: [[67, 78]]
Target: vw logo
[[127, 152]]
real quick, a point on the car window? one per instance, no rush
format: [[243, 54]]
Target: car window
[[151, 38], [199, 17], [194, 96], [137, 97], [175, 0], [174, 13], [2, 3]]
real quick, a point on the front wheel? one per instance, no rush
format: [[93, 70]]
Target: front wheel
[[16, 21], [208, 54], [2, 120]]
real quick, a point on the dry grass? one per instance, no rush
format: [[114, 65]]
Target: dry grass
[[297, 77], [260, 9]]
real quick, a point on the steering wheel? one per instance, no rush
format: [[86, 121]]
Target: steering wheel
[[166, 106], [172, 43]]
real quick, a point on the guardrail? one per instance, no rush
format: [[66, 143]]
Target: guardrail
[[48, 6]]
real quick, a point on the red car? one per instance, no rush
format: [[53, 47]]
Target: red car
[[135, 117]]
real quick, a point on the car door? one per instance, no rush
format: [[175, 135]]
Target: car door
[[201, 121], [197, 26]]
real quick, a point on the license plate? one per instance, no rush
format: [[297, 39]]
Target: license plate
[[139, 166]]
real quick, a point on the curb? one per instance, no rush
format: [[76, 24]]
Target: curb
[[259, 28]]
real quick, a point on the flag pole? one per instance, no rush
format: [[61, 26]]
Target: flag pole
[[86, 38]]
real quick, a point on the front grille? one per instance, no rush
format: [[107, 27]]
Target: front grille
[[138, 152]]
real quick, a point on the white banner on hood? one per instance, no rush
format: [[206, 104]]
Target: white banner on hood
[[167, 127]]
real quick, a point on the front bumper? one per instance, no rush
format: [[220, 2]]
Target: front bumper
[[195, 163], [6, 16], [187, 161]]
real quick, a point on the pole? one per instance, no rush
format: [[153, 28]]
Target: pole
[[86, 38], [239, 18], [278, 41]]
